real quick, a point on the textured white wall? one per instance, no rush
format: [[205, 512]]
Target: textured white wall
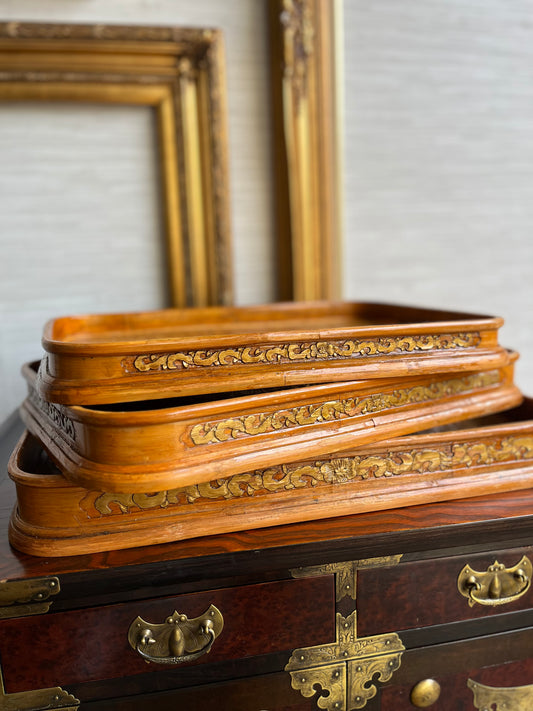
[[79, 223], [439, 158]]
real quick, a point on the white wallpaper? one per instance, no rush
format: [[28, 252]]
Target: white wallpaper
[[439, 158], [438, 170], [79, 221]]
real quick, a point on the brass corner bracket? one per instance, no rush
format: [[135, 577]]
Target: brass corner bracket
[[37, 700], [21, 598], [344, 672], [346, 572]]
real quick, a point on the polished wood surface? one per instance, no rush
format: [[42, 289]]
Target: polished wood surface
[[106, 358], [470, 522], [144, 448], [55, 517], [258, 620], [251, 575], [503, 660], [390, 599]]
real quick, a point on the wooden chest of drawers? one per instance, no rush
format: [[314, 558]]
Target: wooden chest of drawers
[[421, 607]]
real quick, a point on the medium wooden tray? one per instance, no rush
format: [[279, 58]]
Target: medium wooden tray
[[126, 357], [142, 447], [54, 517]]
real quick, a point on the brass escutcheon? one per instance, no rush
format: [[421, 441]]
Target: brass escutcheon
[[498, 585], [178, 639]]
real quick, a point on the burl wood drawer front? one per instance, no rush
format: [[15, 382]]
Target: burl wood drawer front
[[424, 593], [493, 672], [89, 645]]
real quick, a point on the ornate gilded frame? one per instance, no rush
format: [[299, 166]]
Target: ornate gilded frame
[[304, 86], [180, 74]]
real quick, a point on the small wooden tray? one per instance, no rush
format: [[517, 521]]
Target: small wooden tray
[[53, 517], [143, 447], [126, 357]]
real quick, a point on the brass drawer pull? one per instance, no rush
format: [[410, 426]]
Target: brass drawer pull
[[498, 585], [425, 693], [517, 698], [178, 639]]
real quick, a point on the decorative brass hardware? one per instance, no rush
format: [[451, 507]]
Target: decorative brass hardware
[[498, 585], [346, 572], [517, 698], [37, 700], [178, 639], [425, 693], [346, 669], [21, 598]]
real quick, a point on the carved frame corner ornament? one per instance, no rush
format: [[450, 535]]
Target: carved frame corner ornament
[[303, 69], [344, 672], [180, 74]]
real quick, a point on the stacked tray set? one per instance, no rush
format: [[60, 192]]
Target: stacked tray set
[[159, 426]]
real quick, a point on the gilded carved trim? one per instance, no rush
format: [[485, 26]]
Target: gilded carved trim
[[298, 352], [327, 472], [333, 410], [178, 72], [302, 42]]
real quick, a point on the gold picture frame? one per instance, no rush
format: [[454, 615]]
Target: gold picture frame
[[180, 74], [307, 191]]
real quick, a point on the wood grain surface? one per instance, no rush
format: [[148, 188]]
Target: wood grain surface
[[483, 520]]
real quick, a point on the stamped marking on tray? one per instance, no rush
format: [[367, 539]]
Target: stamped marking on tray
[[332, 472], [298, 352], [261, 423], [53, 412]]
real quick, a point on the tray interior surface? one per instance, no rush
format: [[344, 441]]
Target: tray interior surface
[[185, 323]]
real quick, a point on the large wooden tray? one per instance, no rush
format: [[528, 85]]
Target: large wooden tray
[[126, 357], [143, 447], [54, 517]]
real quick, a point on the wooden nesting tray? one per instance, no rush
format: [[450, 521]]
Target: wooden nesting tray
[[143, 447], [126, 357], [54, 517]]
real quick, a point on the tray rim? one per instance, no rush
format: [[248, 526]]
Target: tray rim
[[454, 321], [157, 528], [170, 474]]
